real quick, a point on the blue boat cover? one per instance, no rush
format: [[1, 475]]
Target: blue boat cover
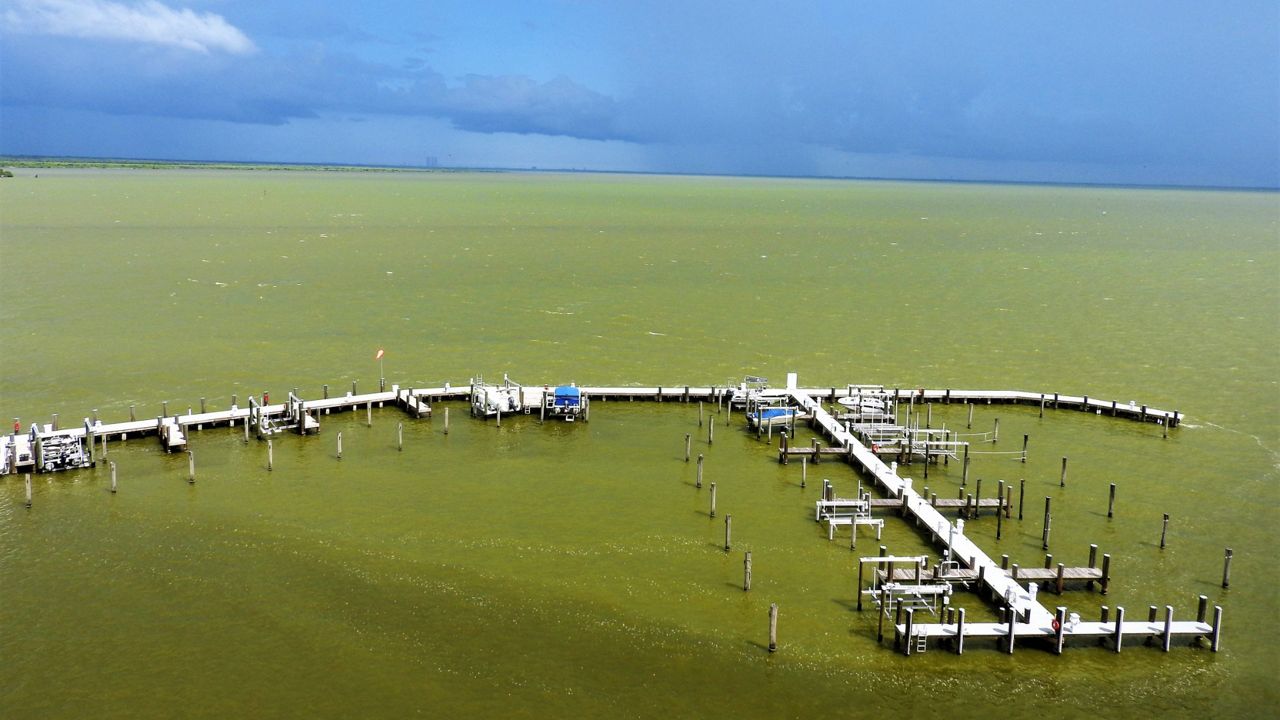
[[567, 396]]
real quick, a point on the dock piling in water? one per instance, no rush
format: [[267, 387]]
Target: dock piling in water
[[191, 466], [699, 483], [773, 627], [28, 483], [339, 446], [1226, 569], [113, 476], [1048, 519], [271, 456], [1111, 501], [1164, 530], [400, 436], [746, 572], [713, 499], [728, 531], [688, 446]]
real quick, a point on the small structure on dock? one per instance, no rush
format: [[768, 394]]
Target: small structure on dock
[[170, 432], [45, 449], [753, 389], [764, 412], [566, 402], [867, 404], [492, 400]]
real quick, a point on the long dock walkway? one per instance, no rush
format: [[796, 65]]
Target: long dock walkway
[[1027, 618]]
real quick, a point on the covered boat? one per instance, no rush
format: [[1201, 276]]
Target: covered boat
[[565, 401]]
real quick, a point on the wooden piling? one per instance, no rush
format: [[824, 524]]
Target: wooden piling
[[1062, 479], [1022, 491], [28, 484], [1217, 628], [977, 499], [1025, 440], [699, 413], [399, 436], [964, 475], [773, 627], [1013, 618], [1111, 501], [969, 424], [1062, 568], [910, 629], [804, 471], [995, 434], [1106, 572], [326, 392], [1202, 609], [1093, 562], [1042, 405], [713, 499], [1226, 569], [746, 572], [1117, 638], [368, 410], [113, 477], [339, 446], [134, 419], [898, 607], [1048, 519], [688, 446], [960, 631], [1166, 638], [711, 430], [1059, 628], [202, 410], [446, 421], [191, 466], [728, 531], [1164, 530], [699, 485], [999, 520]]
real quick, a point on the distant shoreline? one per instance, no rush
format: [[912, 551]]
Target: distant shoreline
[[131, 164], [53, 162]]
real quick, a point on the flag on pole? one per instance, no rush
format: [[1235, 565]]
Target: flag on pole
[[379, 355]]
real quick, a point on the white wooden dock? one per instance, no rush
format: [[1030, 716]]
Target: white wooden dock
[[966, 563]]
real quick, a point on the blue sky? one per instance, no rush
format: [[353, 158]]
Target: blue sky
[[1110, 92]]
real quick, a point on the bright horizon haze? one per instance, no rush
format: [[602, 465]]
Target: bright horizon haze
[[1176, 93]]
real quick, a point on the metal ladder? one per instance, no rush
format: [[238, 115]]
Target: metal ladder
[[922, 640]]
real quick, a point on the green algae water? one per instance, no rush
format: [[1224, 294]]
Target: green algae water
[[572, 570]]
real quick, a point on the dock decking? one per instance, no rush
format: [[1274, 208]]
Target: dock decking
[[48, 448]]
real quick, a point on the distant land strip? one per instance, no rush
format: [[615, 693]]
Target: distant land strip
[[23, 161]]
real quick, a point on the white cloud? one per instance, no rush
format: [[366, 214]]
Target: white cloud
[[145, 22]]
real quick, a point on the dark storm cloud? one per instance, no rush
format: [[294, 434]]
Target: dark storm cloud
[[272, 89]]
